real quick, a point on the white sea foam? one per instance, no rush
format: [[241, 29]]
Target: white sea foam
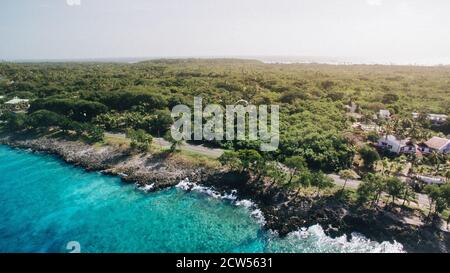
[[245, 203], [147, 187], [255, 212], [186, 185], [314, 239]]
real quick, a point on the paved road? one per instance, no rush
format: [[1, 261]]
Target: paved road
[[353, 184], [199, 149]]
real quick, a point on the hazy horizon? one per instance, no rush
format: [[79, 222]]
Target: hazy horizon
[[263, 59], [354, 31]]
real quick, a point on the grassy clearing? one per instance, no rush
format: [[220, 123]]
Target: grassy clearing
[[115, 141]]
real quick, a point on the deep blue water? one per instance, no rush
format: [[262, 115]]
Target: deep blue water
[[45, 204]]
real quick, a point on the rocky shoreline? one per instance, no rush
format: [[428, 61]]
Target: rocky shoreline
[[281, 212]]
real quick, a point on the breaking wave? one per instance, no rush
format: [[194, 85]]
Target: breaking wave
[[253, 209], [305, 240], [314, 240], [39, 216]]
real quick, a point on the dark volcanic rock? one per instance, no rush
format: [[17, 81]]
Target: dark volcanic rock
[[282, 212]]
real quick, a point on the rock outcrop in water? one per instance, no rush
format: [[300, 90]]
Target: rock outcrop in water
[[281, 211]]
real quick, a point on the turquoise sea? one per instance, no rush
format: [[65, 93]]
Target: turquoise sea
[[47, 205]]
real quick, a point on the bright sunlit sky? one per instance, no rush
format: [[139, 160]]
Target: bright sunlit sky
[[402, 31]]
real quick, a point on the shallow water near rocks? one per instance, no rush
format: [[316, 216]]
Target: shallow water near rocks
[[46, 203]]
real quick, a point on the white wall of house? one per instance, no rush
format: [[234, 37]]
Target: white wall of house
[[424, 149], [389, 143], [446, 149], [395, 145], [384, 114], [408, 149]]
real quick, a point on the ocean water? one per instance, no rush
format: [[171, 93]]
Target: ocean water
[[49, 206]]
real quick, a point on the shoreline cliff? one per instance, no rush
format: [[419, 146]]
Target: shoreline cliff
[[281, 212]]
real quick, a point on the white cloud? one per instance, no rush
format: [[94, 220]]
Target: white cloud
[[374, 2]]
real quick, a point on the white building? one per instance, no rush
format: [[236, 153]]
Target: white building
[[430, 180], [367, 127], [434, 118], [394, 145], [438, 144], [384, 114]]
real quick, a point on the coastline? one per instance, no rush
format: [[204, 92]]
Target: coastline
[[335, 217]]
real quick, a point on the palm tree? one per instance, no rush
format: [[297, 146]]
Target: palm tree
[[385, 165], [304, 180], [394, 187], [296, 164], [436, 159], [415, 133], [320, 181], [403, 127], [389, 128], [174, 144], [380, 187], [414, 159], [346, 175], [421, 169], [434, 193], [409, 196], [275, 173]]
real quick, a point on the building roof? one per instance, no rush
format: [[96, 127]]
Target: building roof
[[385, 113], [437, 142], [394, 139], [430, 180], [438, 117], [16, 100], [390, 138]]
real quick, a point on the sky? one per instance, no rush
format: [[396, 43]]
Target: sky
[[397, 31]]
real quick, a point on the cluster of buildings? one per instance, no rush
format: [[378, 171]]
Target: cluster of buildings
[[385, 114], [406, 146], [435, 119]]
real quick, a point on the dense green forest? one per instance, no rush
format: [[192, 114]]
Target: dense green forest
[[117, 96], [87, 99]]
